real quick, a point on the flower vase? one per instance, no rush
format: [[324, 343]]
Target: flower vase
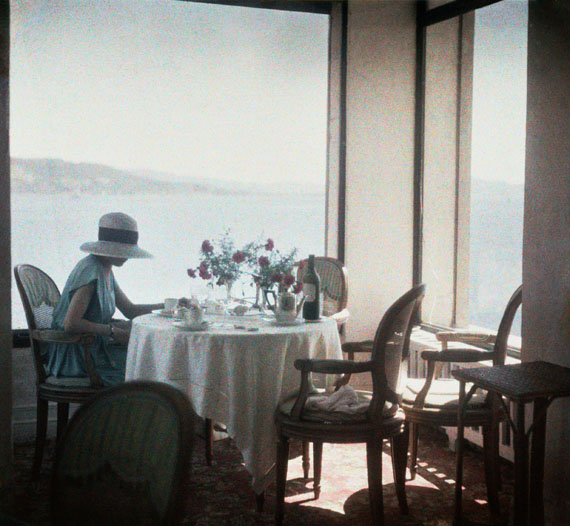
[[229, 296], [257, 304]]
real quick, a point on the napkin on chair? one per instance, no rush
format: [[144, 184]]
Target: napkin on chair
[[345, 400]]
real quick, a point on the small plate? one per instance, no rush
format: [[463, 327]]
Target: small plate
[[164, 313], [194, 328]]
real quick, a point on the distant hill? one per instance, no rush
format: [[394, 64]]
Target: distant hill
[[55, 176]]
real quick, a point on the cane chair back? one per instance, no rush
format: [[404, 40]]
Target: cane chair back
[[334, 283], [39, 295], [125, 458], [390, 350], [502, 339]]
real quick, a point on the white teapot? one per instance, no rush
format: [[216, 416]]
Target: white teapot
[[287, 309]]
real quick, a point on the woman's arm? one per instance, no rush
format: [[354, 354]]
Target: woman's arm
[[131, 310], [74, 320]]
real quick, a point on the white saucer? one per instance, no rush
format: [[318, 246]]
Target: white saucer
[[184, 326], [285, 323]]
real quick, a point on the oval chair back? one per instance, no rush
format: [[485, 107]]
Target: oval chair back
[[334, 282], [391, 347], [502, 340], [124, 458], [39, 295]]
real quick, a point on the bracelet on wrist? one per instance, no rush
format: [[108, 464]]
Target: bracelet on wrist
[[112, 332]]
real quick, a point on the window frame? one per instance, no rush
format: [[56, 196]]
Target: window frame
[[20, 335], [426, 17]]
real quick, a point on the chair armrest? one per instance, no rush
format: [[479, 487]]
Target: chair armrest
[[341, 317], [354, 347], [55, 336], [457, 355], [82, 339], [332, 366], [469, 337], [307, 366]]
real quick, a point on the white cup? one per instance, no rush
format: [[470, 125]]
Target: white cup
[[193, 316], [170, 305]]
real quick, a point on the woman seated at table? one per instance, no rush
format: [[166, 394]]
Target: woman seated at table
[[88, 302]]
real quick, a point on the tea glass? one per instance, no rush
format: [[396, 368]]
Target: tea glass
[[170, 305]]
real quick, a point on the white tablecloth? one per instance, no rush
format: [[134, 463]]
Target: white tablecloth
[[232, 375]]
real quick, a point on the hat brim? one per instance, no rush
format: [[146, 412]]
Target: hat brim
[[115, 250]]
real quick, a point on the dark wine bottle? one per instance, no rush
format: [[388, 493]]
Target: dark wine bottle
[[311, 290]]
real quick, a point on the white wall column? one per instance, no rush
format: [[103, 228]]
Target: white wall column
[[546, 254], [379, 166]]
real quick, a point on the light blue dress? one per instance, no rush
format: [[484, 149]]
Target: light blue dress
[[66, 359]]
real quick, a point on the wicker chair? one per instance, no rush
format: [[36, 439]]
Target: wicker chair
[[125, 458], [434, 401], [381, 418], [39, 296], [334, 286]]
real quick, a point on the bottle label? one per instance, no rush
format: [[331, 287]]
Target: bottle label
[[310, 291]]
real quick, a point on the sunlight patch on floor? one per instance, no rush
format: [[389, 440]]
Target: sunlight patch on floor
[[344, 475]]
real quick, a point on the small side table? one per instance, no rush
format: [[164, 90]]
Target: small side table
[[538, 382]]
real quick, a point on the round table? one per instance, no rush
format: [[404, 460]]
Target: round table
[[235, 372]]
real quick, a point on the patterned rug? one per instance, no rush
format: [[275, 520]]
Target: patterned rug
[[221, 494]]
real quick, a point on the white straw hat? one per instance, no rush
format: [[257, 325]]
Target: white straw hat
[[118, 237]]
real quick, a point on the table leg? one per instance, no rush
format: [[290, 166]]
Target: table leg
[[521, 468], [459, 455], [536, 502]]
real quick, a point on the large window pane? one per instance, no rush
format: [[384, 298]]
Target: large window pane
[[497, 187], [222, 109]]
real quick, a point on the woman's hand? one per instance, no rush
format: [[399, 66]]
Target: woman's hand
[[121, 335]]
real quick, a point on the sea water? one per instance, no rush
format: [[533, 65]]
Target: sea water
[[47, 231]]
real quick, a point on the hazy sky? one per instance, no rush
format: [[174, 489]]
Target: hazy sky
[[499, 91], [188, 88], [219, 91]]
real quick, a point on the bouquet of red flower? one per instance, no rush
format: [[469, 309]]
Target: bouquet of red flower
[[273, 268], [221, 263]]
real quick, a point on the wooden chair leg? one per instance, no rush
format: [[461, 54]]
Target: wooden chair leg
[[281, 478], [318, 464], [41, 431], [62, 418], [399, 462], [259, 501], [306, 459], [414, 437], [374, 465], [492, 460], [209, 437]]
